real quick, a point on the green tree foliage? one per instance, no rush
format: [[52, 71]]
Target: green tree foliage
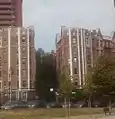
[[103, 78], [45, 75], [77, 95], [65, 85], [88, 87]]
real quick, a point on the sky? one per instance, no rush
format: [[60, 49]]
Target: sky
[[48, 15]]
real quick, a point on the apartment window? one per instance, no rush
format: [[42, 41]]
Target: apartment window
[[75, 70], [68, 60], [4, 83], [0, 73], [23, 39], [0, 41], [24, 83], [23, 73], [12, 71], [17, 61], [4, 39], [75, 59], [97, 44], [88, 51], [4, 50], [9, 83], [88, 57], [87, 41], [74, 40], [4, 73], [23, 33], [0, 84], [73, 33], [30, 83], [76, 83], [101, 44], [24, 96], [89, 66], [13, 16], [23, 65], [23, 49], [87, 33], [17, 73], [4, 61], [17, 84]]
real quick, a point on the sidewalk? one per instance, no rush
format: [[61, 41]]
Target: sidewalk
[[107, 117], [98, 116]]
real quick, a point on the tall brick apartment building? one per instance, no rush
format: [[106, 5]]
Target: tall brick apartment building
[[77, 50], [17, 63], [10, 13]]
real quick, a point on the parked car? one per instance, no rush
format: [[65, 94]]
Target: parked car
[[79, 104], [98, 104], [67, 104], [36, 104], [54, 105], [13, 104], [8, 105]]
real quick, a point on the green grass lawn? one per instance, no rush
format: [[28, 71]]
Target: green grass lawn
[[47, 113]]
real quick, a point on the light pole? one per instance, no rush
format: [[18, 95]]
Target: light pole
[[9, 83]]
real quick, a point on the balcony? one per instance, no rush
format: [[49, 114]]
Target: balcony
[[5, 6], [5, 12], [5, 17], [6, 23], [5, 1]]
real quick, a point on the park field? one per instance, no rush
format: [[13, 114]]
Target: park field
[[82, 113]]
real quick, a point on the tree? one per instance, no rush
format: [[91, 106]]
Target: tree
[[88, 87], [77, 95], [102, 78], [66, 88], [104, 75], [45, 75]]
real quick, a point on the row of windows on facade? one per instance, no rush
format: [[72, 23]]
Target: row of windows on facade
[[107, 44], [23, 64], [74, 40], [5, 50], [24, 84], [75, 33], [24, 72], [76, 71], [23, 42], [74, 53], [104, 43]]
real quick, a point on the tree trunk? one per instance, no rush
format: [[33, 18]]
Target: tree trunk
[[65, 107], [69, 107], [89, 101], [110, 106]]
